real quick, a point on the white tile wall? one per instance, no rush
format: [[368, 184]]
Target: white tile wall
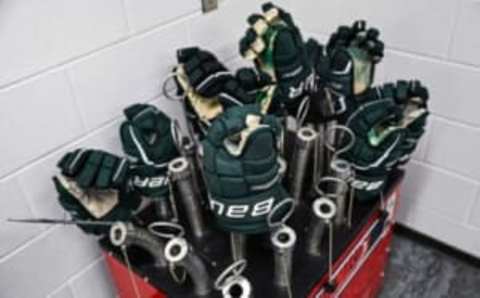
[[36, 35], [70, 67], [148, 13], [129, 72], [466, 42], [95, 282]]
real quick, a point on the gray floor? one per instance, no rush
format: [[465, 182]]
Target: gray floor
[[422, 269]]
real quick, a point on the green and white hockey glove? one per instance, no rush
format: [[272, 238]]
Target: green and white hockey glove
[[208, 86], [93, 186], [241, 169], [377, 144], [412, 96], [275, 45], [150, 139], [344, 68], [387, 123], [353, 53]]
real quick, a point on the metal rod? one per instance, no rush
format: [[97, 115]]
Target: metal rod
[[303, 144], [126, 234], [181, 175], [178, 252], [238, 245], [323, 211], [190, 153], [340, 169], [283, 242], [162, 208], [319, 154]]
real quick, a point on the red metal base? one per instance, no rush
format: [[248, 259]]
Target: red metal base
[[358, 273]]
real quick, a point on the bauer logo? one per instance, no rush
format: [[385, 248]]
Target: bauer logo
[[237, 211], [150, 182]]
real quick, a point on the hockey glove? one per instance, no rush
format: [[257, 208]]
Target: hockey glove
[[241, 169], [275, 44], [208, 86], [93, 186], [150, 139]]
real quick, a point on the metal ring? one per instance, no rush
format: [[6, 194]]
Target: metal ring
[[240, 281], [290, 240], [318, 210], [232, 271], [118, 233], [177, 165], [167, 95], [171, 255], [307, 134], [340, 165], [287, 215], [345, 148], [164, 225], [327, 179]]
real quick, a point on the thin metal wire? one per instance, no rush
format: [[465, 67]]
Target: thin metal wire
[[233, 271], [330, 251], [173, 273], [130, 272]]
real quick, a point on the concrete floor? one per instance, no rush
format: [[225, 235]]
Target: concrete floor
[[420, 268]]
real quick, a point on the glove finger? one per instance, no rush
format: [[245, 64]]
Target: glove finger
[[105, 172], [258, 24], [234, 95], [73, 162], [185, 54], [88, 174], [419, 91], [358, 26]]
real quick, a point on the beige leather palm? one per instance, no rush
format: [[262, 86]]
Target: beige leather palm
[[206, 108], [97, 202]]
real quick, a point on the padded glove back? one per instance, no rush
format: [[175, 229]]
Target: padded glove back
[[243, 182], [150, 139]]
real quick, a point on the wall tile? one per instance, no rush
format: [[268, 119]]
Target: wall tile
[[453, 147], [36, 182], [128, 73], [95, 282], [439, 190], [451, 86], [466, 41], [14, 205], [63, 292], [220, 31], [106, 138], [439, 227], [474, 216], [325, 16], [421, 26], [148, 13], [35, 118], [47, 263], [38, 34]]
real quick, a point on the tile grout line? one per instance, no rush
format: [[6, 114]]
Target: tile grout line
[[88, 54], [68, 77], [446, 171], [470, 208], [26, 244]]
